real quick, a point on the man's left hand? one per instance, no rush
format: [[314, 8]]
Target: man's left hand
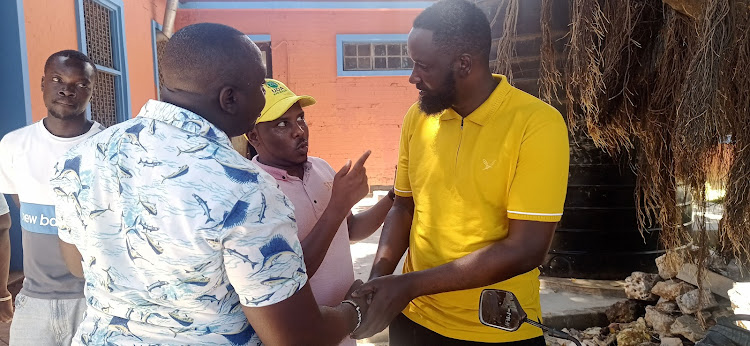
[[388, 296]]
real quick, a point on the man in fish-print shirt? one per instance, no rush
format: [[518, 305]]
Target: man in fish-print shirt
[[175, 232]]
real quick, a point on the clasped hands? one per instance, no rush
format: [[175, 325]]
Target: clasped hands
[[380, 300]]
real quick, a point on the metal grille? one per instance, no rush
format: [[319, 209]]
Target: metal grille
[[98, 33], [104, 100], [160, 47], [376, 56]]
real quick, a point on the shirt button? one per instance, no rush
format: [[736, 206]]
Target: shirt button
[[315, 201]]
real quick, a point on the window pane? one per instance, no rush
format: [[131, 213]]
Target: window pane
[[405, 49], [350, 49], [379, 50], [394, 63], [364, 63], [407, 63], [350, 63], [363, 50], [394, 49], [380, 63], [98, 26]]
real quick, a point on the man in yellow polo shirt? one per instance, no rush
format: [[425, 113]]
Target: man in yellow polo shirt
[[481, 183]]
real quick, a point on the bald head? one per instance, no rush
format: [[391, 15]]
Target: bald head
[[216, 72], [200, 58]]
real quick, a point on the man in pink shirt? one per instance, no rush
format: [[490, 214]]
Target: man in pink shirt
[[322, 197]]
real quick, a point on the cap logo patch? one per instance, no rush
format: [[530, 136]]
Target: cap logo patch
[[275, 88]]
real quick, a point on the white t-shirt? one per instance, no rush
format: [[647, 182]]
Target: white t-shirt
[[3, 205], [27, 159]]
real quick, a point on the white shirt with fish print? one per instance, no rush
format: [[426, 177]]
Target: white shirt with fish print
[[176, 230]]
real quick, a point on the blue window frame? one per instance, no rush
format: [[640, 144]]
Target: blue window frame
[[372, 55], [101, 36]]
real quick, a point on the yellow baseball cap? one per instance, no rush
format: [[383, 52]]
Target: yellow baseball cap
[[279, 99]]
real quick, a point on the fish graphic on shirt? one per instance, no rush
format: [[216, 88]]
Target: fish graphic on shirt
[[180, 172], [204, 206]]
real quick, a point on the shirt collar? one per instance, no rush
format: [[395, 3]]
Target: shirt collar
[[482, 114], [183, 119], [280, 173]]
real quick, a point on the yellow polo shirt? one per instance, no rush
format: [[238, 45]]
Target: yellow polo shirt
[[506, 160]]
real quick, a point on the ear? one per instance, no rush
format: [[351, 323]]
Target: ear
[[42, 83], [464, 65], [228, 100], [254, 138]]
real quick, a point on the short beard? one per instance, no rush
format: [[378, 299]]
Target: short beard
[[442, 99]]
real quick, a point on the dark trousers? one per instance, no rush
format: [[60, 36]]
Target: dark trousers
[[404, 332]]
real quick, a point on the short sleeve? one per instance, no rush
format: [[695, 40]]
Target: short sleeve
[[4, 209], [537, 192], [402, 185], [68, 214], [262, 254], [6, 167]]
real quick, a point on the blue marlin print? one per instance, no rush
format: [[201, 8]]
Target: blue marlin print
[[204, 206], [274, 249], [70, 165], [241, 338], [238, 215], [119, 326], [134, 134], [239, 175]]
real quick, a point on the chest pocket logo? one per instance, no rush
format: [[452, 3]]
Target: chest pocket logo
[[488, 165]]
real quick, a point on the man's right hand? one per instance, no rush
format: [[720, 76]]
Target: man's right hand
[[6, 308], [350, 184]]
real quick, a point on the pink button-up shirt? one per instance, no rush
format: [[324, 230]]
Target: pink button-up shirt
[[310, 197]]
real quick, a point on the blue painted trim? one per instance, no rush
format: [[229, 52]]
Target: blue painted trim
[[119, 50], [154, 27], [24, 61], [260, 38], [366, 38], [16, 100], [304, 5], [108, 70]]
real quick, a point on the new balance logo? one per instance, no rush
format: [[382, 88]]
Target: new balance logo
[[488, 165]]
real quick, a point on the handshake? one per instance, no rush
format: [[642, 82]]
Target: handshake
[[380, 300]]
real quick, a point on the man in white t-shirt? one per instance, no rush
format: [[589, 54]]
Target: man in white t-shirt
[[50, 305], [6, 300]]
